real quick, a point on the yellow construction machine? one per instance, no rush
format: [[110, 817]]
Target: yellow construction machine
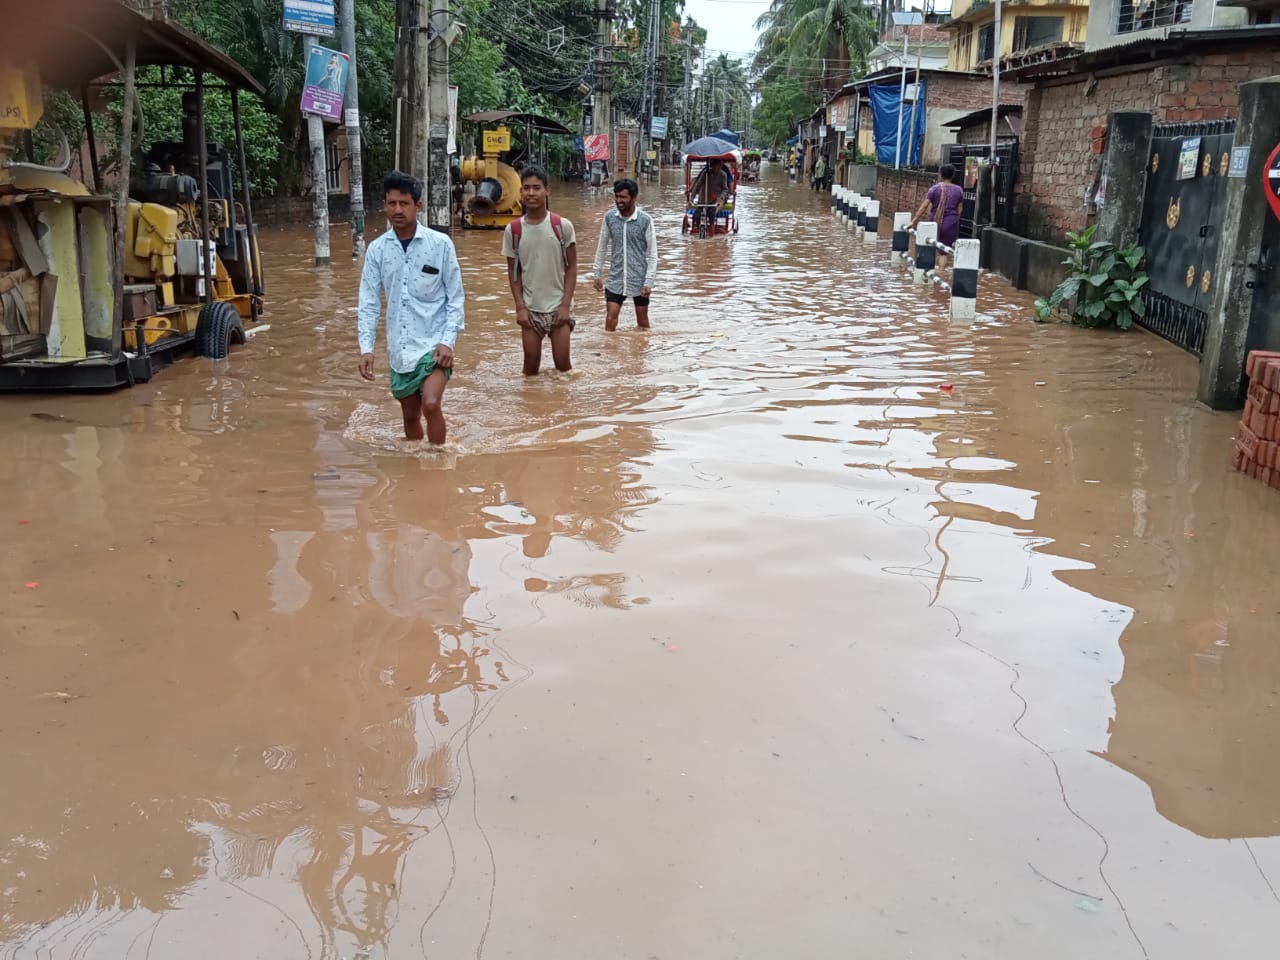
[[496, 201], [98, 291]]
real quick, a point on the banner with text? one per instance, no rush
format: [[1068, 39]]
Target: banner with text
[[310, 16], [596, 147], [326, 83]]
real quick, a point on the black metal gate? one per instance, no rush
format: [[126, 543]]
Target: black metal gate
[[1006, 178], [1181, 225]]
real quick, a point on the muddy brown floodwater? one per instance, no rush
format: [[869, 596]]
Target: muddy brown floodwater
[[745, 640]]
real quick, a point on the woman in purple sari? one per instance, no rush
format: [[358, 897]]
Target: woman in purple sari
[[943, 203]]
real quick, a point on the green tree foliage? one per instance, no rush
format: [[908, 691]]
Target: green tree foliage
[[725, 94], [161, 121], [503, 59], [783, 104], [822, 42]]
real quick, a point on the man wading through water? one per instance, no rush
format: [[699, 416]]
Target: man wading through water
[[628, 230], [416, 269], [542, 268]]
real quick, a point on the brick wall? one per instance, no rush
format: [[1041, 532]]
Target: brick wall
[[923, 33], [968, 93], [978, 133], [901, 191], [1063, 142], [282, 211]]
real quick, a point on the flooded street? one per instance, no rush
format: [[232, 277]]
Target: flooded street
[[804, 625]]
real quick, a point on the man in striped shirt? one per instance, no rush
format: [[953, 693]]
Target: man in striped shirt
[[627, 240]]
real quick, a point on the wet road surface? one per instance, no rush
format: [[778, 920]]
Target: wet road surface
[[744, 640]]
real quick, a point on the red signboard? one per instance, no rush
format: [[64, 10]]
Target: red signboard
[[1271, 180], [597, 147]]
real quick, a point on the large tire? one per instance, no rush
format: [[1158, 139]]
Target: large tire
[[218, 327]]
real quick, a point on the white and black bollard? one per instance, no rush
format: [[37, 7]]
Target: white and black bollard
[[871, 222], [835, 199], [901, 239], [926, 254], [964, 280], [851, 216]]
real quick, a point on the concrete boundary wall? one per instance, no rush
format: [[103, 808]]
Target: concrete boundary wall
[[1027, 264]]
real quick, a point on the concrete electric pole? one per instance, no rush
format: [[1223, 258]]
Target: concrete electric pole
[[352, 117], [995, 110], [604, 75], [402, 138], [438, 193], [319, 175], [420, 149]]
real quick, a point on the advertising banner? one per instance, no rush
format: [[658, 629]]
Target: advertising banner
[[326, 83], [310, 16], [596, 147]]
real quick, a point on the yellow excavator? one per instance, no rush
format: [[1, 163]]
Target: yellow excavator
[[496, 201], [99, 291]]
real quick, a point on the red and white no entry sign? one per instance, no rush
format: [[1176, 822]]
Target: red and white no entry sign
[[1271, 180]]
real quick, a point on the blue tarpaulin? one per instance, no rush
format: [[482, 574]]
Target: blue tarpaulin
[[884, 115]]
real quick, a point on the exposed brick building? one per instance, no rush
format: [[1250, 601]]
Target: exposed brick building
[[948, 96], [1185, 75], [975, 128]]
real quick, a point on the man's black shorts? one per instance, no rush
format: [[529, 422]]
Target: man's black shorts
[[612, 297]]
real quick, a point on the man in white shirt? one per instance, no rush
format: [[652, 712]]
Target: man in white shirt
[[627, 241], [417, 270]]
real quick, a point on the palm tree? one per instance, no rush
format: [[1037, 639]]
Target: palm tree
[[823, 42], [726, 90]]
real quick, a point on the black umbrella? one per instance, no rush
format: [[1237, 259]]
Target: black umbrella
[[706, 147]]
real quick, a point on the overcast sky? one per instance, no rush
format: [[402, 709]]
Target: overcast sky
[[730, 24]]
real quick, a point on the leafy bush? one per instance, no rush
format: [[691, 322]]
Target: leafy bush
[[1105, 282], [851, 154]]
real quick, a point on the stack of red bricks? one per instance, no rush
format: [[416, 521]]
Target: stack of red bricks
[[1257, 450]]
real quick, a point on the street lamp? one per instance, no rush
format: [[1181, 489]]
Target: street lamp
[[906, 19]]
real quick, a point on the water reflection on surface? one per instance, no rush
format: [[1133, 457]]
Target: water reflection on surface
[[804, 617]]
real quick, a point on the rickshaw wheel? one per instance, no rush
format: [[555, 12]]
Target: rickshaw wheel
[[702, 229], [735, 224], [684, 225]]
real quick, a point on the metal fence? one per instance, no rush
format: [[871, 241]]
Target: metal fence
[[1006, 180]]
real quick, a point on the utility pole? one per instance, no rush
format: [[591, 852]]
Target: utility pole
[[915, 98], [650, 78], [319, 176], [604, 10], [355, 173], [406, 19], [995, 107], [706, 104], [688, 87], [420, 147], [902, 96], [438, 193]]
